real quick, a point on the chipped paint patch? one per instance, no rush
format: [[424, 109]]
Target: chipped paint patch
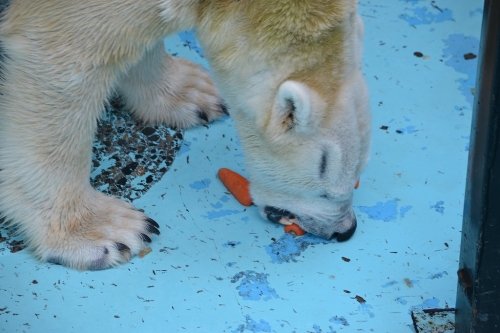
[[407, 130], [403, 210], [425, 15], [367, 309], [219, 204], [438, 275], [385, 211], [189, 40], [200, 184], [477, 11], [185, 148], [253, 326], [438, 207], [339, 320], [254, 286], [217, 214], [288, 248], [457, 47], [401, 300], [390, 284]]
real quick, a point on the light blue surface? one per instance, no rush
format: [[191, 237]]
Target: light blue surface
[[219, 267]]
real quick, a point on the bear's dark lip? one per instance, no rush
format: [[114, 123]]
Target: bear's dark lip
[[283, 216], [275, 215]]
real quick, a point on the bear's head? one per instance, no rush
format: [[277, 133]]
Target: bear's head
[[290, 73]]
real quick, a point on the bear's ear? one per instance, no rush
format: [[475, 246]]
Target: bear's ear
[[293, 107]]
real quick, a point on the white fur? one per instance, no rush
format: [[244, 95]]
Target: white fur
[[284, 164], [65, 58]]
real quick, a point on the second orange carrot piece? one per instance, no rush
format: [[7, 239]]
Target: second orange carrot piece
[[238, 185]]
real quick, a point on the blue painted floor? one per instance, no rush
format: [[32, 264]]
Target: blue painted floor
[[219, 267]]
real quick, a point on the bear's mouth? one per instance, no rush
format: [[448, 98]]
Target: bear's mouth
[[278, 215], [341, 229]]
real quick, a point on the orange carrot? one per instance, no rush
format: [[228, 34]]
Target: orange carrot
[[294, 229], [238, 185]]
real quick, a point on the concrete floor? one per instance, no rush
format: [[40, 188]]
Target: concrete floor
[[219, 267]]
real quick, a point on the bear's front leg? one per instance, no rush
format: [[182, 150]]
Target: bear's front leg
[[163, 89], [48, 115]]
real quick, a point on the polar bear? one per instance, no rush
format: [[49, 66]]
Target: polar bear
[[289, 71]]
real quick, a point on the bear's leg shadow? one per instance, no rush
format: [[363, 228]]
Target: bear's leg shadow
[[48, 118], [163, 89]]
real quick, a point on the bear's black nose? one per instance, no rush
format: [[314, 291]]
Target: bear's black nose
[[346, 234]]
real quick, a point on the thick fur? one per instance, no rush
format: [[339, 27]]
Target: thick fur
[[289, 70]]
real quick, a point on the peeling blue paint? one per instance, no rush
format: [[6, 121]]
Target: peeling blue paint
[[253, 326], [403, 210], [401, 300], [287, 248], [200, 184], [438, 275], [190, 41], [382, 211], [424, 15], [456, 46], [339, 320], [217, 205], [367, 309], [385, 211], [408, 130], [467, 139], [185, 148], [390, 284], [216, 214], [477, 11], [317, 329], [254, 286], [438, 207]]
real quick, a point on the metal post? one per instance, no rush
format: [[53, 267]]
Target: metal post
[[478, 294]]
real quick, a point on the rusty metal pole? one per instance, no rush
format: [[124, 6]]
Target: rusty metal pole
[[478, 294]]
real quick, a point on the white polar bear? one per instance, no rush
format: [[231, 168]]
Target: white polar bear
[[288, 69]]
